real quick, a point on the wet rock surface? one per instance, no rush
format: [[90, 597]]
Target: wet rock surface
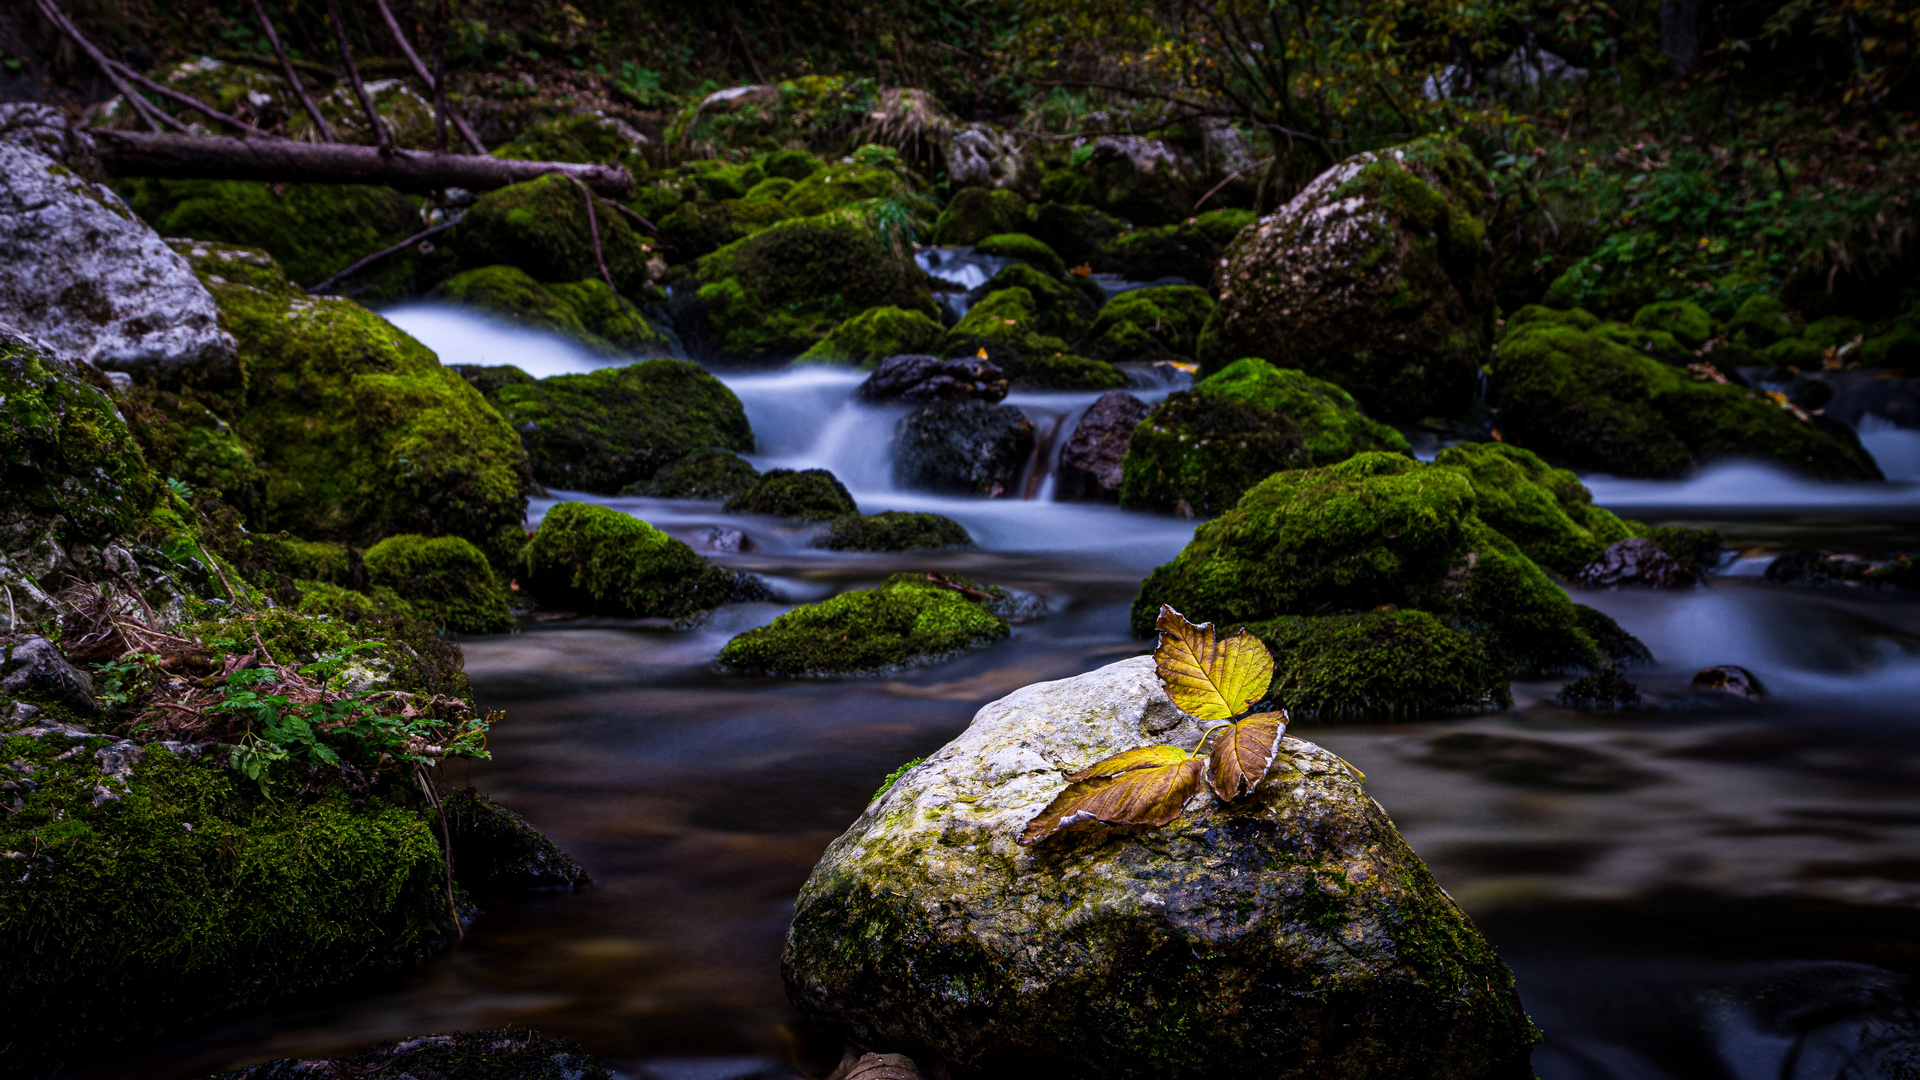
[[922, 380], [1729, 679], [494, 849], [33, 667], [1090, 462], [962, 448], [1636, 561], [505, 1054], [1293, 934]]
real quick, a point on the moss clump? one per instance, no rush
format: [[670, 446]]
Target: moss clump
[[488, 379], [694, 229], [184, 440], [1024, 321], [313, 230], [775, 294], [1379, 665], [123, 922], [1332, 425], [445, 578], [359, 429], [1165, 251], [807, 494], [1760, 322], [1698, 550], [893, 530], [712, 474], [586, 311], [597, 560], [1151, 324], [1061, 308], [1546, 511], [875, 334], [1077, 233], [313, 560], [1688, 322], [977, 213], [602, 431], [1658, 344], [584, 138], [843, 184], [1575, 397], [541, 227], [908, 620], [1897, 348], [1025, 248]]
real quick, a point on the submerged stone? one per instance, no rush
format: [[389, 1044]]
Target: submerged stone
[[962, 448], [1292, 934], [910, 619], [506, 1054], [920, 380], [1637, 562]]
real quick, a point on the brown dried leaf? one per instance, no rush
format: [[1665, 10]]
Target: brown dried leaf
[[1140, 757], [1144, 796], [1243, 752], [1208, 678]]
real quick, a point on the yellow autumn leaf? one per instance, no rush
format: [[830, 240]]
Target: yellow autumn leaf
[[1243, 752], [1210, 678], [1140, 757], [1152, 795]]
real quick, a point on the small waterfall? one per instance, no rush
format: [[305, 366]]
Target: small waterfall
[[960, 266]]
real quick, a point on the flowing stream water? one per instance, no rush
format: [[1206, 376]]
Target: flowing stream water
[[1709, 889]]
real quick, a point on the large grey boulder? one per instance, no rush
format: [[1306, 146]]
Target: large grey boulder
[[1291, 934], [81, 273]]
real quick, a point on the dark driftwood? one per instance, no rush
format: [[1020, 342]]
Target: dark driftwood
[[212, 157]]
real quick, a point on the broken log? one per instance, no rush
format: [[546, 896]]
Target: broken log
[[214, 157]]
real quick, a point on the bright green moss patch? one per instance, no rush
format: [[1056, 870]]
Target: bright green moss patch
[[445, 578], [875, 334], [894, 530], [1689, 323], [1379, 665], [597, 560], [807, 494], [1025, 248], [709, 474], [1159, 323], [843, 184], [1333, 427], [541, 227], [1546, 511], [586, 311], [908, 620]]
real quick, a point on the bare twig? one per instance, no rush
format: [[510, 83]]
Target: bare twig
[[630, 212], [146, 110], [381, 254], [293, 76], [433, 84], [353, 76], [593, 228], [1215, 189], [189, 101], [440, 77], [446, 845]]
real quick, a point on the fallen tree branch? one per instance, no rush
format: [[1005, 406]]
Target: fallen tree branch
[[189, 101], [593, 229], [381, 254], [293, 76], [384, 143], [219, 157], [433, 85]]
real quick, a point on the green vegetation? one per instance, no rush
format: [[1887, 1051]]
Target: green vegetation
[[875, 334], [1025, 248], [599, 561], [1378, 665], [715, 474], [541, 227], [977, 213], [1151, 324], [894, 530], [444, 578], [908, 620], [1546, 511], [807, 494], [586, 311]]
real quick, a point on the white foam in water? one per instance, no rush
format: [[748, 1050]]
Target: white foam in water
[[1749, 486], [462, 336], [1894, 448]]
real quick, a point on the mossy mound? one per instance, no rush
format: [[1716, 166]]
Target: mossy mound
[[1165, 251], [123, 923], [894, 530], [1377, 278], [584, 138], [603, 431], [908, 620], [807, 494], [599, 561], [185, 440], [1761, 321], [360, 431], [711, 474], [489, 378], [1079, 234], [973, 214], [1898, 347], [446, 579], [1658, 344], [875, 334], [1203, 448], [586, 311], [1546, 511], [1062, 309], [1689, 323], [1377, 529], [1156, 323], [1025, 321], [777, 293], [1379, 665], [841, 184], [313, 230], [1574, 397], [1025, 248], [541, 227], [694, 229]]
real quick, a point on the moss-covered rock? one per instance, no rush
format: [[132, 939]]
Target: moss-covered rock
[[1376, 529], [602, 431], [807, 494], [1214, 946], [1077, 233], [775, 294], [445, 578], [599, 561], [894, 530], [1379, 665], [842, 184], [1548, 512], [1376, 277], [1688, 322], [1164, 251], [908, 620], [586, 311], [1025, 248], [973, 214], [1026, 321], [694, 229], [185, 440], [1574, 397], [590, 138], [875, 334], [1658, 344], [541, 227], [1062, 309], [709, 474], [1200, 450], [1157, 323], [1761, 321], [496, 851], [1898, 347]]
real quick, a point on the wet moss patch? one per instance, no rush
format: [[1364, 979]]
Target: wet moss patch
[[908, 620], [599, 561]]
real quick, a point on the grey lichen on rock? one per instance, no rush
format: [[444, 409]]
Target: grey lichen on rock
[[1292, 934]]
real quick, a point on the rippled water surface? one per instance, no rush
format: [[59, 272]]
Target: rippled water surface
[[1704, 889]]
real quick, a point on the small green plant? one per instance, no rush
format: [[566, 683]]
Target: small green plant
[[642, 84], [894, 776]]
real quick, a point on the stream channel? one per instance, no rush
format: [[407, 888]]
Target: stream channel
[[1709, 889]]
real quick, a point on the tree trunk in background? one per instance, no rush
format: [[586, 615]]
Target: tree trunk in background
[[1680, 33]]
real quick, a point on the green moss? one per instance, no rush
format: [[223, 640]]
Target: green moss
[[604, 430], [1546, 511], [1897, 348], [1658, 344], [843, 184], [1151, 324], [184, 440], [1332, 425], [1379, 665], [541, 227], [313, 560], [1078, 234], [795, 165], [1794, 352], [1058, 371], [875, 334], [189, 890], [808, 494], [1689, 323], [488, 379], [694, 229], [359, 429], [585, 138], [597, 560], [772, 189], [1574, 397], [1181, 251], [1698, 550], [977, 213], [710, 474], [445, 578], [312, 230], [586, 311], [907, 620], [1760, 322], [1023, 247], [893, 530], [1223, 226], [1025, 321]]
